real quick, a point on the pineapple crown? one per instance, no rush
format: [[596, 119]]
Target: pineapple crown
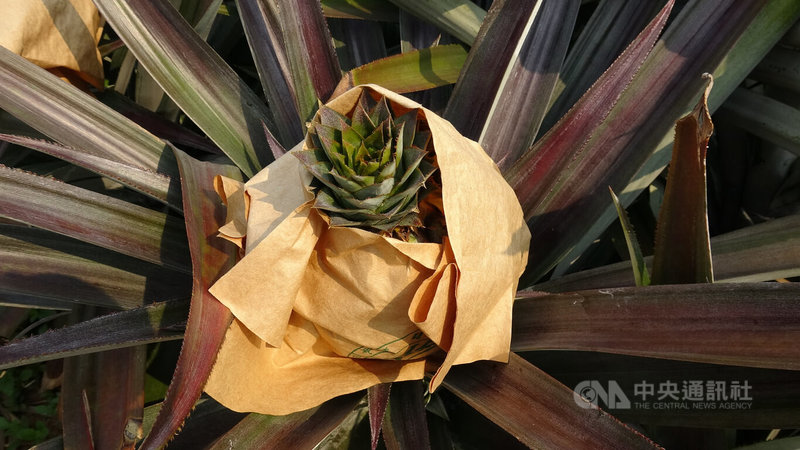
[[371, 167]]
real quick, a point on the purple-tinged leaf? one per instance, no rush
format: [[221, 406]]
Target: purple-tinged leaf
[[524, 93], [94, 218], [413, 71], [484, 68], [537, 409], [542, 167], [156, 124], [44, 265], [312, 59], [302, 429], [745, 324], [357, 42], [275, 147], [765, 30], [405, 424], [277, 87], [208, 318], [118, 397], [194, 76], [73, 118], [556, 180], [76, 416], [461, 18], [683, 250], [360, 9], [153, 323], [613, 25], [152, 184], [762, 252], [377, 400]]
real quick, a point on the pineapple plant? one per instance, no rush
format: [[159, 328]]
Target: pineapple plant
[[113, 218]]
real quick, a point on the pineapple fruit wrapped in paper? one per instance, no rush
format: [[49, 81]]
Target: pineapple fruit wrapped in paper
[[368, 248]]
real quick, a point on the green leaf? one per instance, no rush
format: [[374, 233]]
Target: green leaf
[[75, 119], [94, 218], [208, 318], [152, 184], [745, 324], [360, 9], [153, 323], [524, 92], [195, 77], [640, 273], [44, 265], [461, 18], [682, 250], [302, 429], [537, 409], [413, 71]]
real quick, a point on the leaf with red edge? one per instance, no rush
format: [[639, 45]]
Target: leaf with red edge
[[302, 429], [683, 249], [557, 183], [405, 424], [745, 324], [524, 93], [538, 410], [309, 48], [95, 218], [377, 399], [611, 28], [208, 318]]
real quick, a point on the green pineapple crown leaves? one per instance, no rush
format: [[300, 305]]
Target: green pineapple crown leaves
[[372, 167]]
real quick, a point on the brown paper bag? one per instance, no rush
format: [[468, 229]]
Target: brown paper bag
[[58, 35], [322, 311]]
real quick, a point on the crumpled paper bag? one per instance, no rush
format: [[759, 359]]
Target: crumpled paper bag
[[58, 35], [322, 311]]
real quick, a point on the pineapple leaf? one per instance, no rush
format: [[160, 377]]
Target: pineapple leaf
[[208, 318], [711, 323]]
